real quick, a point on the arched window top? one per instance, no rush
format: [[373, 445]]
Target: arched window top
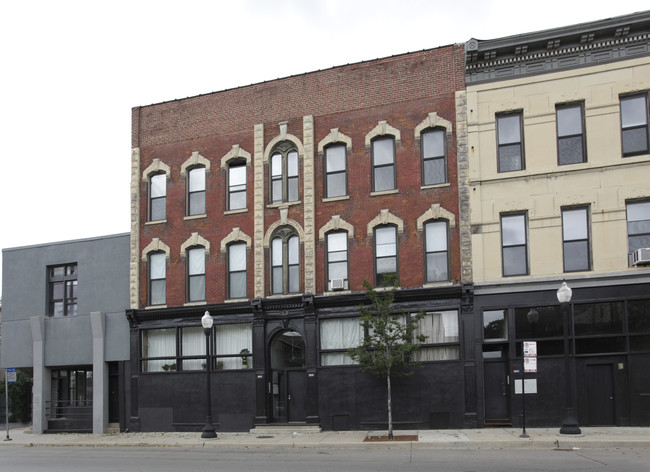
[[336, 223], [156, 167], [431, 122], [334, 137], [195, 160], [235, 156], [383, 129], [156, 245], [385, 217], [436, 212], [235, 236], [283, 222], [193, 241]]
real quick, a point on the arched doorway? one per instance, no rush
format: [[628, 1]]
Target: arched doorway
[[288, 374]]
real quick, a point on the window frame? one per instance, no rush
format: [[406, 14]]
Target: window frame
[[586, 240], [231, 273], [153, 200], [629, 222], [328, 262], [285, 235], [425, 158], [191, 194], [376, 167], [197, 276], [379, 279], [522, 160], [524, 245], [341, 349], [427, 252], [644, 97], [563, 138], [151, 280], [68, 280], [284, 150], [236, 189], [328, 173], [436, 346]]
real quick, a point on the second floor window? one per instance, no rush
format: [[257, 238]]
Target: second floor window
[[237, 270], [434, 152], [196, 274], [196, 191], [335, 171], [437, 255], [638, 226], [285, 262], [383, 164], [570, 134], [385, 253], [575, 239], [510, 142], [157, 197], [157, 278], [62, 290], [284, 174], [514, 245], [237, 186], [337, 261], [634, 124]]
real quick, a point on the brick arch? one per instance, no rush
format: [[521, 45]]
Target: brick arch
[[385, 217], [236, 153], [195, 240], [235, 235], [383, 128], [154, 246], [334, 224], [436, 212], [335, 136], [195, 159], [155, 167], [432, 121]]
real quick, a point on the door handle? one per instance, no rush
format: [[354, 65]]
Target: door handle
[[289, 397]]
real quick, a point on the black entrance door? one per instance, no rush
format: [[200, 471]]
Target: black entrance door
[[496, 391], [288, 374], [600, 395]]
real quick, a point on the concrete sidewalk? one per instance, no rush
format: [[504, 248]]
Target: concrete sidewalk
[[549, 438]]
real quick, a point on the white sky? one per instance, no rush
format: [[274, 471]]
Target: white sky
[[70, 72]]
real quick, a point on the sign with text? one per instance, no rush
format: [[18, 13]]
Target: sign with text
[[530, 348], [11, 375], [530, 364]]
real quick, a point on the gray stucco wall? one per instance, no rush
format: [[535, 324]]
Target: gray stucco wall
[[103, 286]]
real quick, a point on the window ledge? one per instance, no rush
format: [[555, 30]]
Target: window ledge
[[442, 283], [154, 307], [198, 303], [283, 204], [285, 295], [337, 292], [195, 217], [384, 289], [384, 192], [336, 199], [236, 212], [235, 300], [443, 185], [157, 222]]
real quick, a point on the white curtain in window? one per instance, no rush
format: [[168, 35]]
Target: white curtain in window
[[159, 343], [439, 327], [193, 344], [230, 340], [339, 334]]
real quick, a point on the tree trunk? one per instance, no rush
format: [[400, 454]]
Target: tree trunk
[[390, 407]]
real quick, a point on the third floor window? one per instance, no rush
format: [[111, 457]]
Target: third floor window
[[196, 191], [570, 134], [510, 142], [284, 174], [634, 124]]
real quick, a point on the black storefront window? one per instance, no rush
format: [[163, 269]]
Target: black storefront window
[[638, 316], [598, 318], [540, 323]]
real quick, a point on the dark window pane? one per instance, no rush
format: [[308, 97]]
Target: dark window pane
[[158, 292], [277, 280], [437, 267], [292, 190], [600, 345], [197, 203], [547, 323], [158, 209], [276, 191], [638, 242], [384, 178], [639, 343], [510, 158], [598, 318], [570, 150], [576, 256], [237, 285], [635, 140], [434, 171], [638, 316], [495, 325], [57, 291], [197, 288], [386, 265], [237, 201], [294, 279], [336, 185], [514, 261]]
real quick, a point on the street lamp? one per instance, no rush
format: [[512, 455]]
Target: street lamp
[[570, 421], [208, 430]]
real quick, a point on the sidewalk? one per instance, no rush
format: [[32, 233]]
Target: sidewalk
[[489, 438]]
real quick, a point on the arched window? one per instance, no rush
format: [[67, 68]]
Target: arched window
[[196, 274], [434, 156], [337, 260], [385, 253], [284, 173], [285, 262], [237, 270], [157, 278], [236, 185], [157, 196], [436, 249], [196, 191]]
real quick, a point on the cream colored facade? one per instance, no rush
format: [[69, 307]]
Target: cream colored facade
[[604, 182]]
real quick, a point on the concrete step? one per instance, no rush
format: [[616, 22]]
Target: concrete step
[[286, 428], [113, 428]]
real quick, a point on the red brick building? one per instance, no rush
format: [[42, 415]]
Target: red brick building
[[268, 206]]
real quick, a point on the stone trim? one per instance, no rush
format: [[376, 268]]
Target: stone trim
[[280, 223], [382, 129], [154, 246], [336, 223], [156, 166], [195, 240], [436, 212], [258, 212], [195, 159], [432, 121], [464, 190], [334, 136], [236, 153], [235, 235], [309, 207], [385, 217], [134, 263], [284, 136]]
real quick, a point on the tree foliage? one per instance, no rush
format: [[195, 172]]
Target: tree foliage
[[20, 396]]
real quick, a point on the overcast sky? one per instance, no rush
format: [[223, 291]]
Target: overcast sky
[[71, 71]]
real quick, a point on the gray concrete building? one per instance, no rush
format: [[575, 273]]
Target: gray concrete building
[[64, 316]]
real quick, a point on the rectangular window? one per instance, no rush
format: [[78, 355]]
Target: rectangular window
[[575, 239], [71, 388], [335, 170], [570, 134], [284, 175], [510, 142], [62, 280], [434, 157], [385, 253], [237, 270], [233, 346], [336, 337], [442, 336], [437, 256], [192, 348], [634, 124], [196, 274], [383, 164], [157, 197], [285, 264], [337, 261], [236, 186], [495, 325], [157, 278], [638, 227], [159, 350], [196, 191], [514, 245]]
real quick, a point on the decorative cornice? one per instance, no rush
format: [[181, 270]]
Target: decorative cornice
[[335, 136], [436, 212], [235, 235], [385, 217], [236, 153], [382, 128], [432, 121], [156, 245], [334, 224], [155, 167], [195, 240], [195, 159]]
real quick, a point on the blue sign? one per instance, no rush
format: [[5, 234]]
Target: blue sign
[[11, 375]]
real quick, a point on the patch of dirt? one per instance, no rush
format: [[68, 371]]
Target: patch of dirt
[[403, 437]]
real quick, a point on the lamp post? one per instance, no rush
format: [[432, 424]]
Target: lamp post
[[570, 421], [208, 430]]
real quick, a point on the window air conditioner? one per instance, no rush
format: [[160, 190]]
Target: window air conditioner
[[641, 256], [339, 284]]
